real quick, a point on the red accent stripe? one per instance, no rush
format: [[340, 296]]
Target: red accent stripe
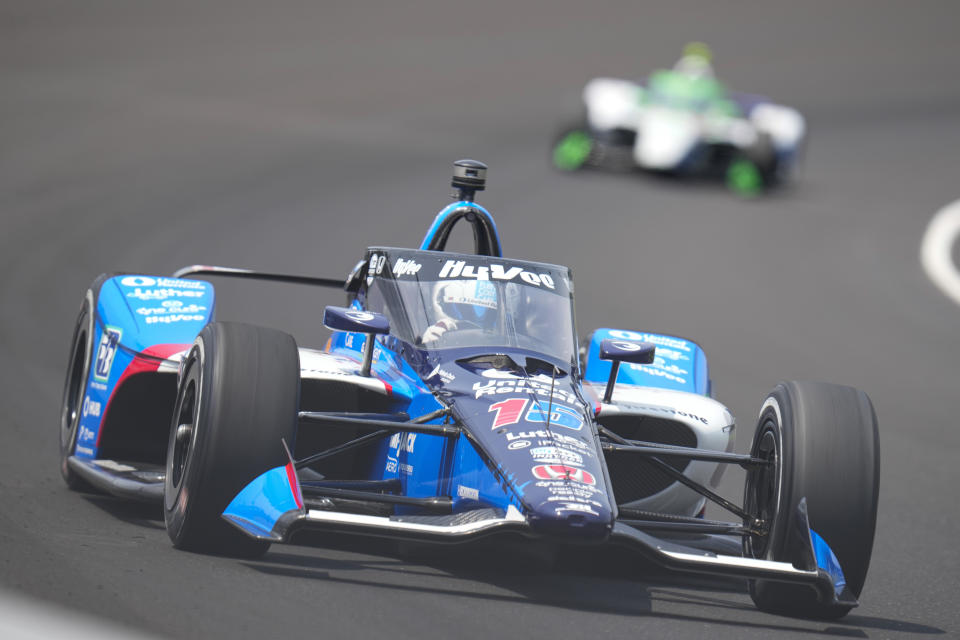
[[140, 365], [294, 484]]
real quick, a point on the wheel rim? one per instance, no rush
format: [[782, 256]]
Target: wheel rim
[[73, 389], [185, 418], [743, 177], [572, 151], [763, 492]]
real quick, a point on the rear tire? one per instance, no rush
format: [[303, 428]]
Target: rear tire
[[238, 396], [825, 447]]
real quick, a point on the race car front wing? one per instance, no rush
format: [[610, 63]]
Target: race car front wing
[[272, 508]]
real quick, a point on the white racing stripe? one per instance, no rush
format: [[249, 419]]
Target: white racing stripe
[[937, 247]]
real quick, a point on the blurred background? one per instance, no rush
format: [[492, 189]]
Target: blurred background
[[288, 136]]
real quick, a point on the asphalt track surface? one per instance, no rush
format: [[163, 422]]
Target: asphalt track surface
[[288, 136]]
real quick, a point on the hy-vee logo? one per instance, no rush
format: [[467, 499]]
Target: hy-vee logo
[[460, 269], [405, 268]]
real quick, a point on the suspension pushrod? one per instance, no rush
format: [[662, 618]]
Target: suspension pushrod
[[702, 490], [346, 446], [391, 484], [722, 528], [653, 519], [436, 503], [684, 480], [689, 453], [339, 420]]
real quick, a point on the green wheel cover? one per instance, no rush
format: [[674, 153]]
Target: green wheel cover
[[744, 178], [572, 151]]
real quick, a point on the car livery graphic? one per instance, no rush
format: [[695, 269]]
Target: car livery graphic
[[454, 401]]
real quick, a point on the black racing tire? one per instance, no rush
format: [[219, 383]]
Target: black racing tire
[[824, 442], [240, 390], [75, 385]]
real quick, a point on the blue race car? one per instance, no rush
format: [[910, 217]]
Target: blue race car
[[453, 402]]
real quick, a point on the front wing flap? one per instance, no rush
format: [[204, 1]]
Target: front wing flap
[[271, 508]]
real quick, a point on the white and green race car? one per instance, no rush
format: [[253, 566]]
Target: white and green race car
[[683, 121]]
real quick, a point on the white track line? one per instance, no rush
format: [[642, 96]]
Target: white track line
[[937, 248], [23, 618]]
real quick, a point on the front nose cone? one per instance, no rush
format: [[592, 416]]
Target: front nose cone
[[578, 521]]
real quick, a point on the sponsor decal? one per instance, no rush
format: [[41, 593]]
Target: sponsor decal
[[508, 411], [628, 346], [176, 317], [86, 435], [563, 472], [106, 352], [445, 376], [359, 316], [566, 491], [164, 294], [673, 412], [576, 507], [98, 386], [560, 416], [170, 307], [90, 407], [398, 443], [582, 447], [460, 269], [468, 492], [659, 372], [147, 281], [403, 444], [547, 439], [376, 267], [518, 444], [671, 354], [405, 267], [505, 382], [576, 499], [667, 341], [556, 455], [87, 451]]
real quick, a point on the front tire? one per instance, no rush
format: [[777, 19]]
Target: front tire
[[237, 399], [572, 149], [75, 385], [822, 440]]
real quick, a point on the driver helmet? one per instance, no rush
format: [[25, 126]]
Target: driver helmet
[[695, 61], [468, 302]]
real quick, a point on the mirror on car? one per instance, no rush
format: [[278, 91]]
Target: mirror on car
[[346, 319], [627, 351], [623, 351]]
